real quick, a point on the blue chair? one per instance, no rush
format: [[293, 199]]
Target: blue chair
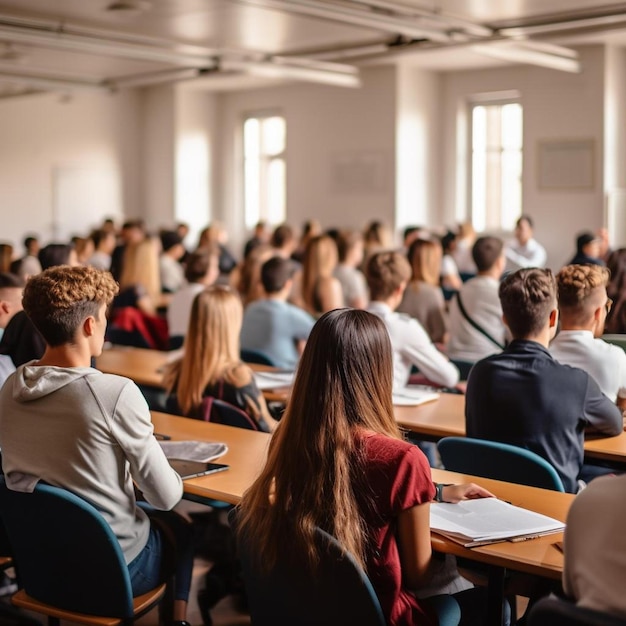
[[339, 593], [69, 563], [553, 611], [499, 461], [256, 356]]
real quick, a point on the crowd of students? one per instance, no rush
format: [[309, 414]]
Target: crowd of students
[[441, 306]]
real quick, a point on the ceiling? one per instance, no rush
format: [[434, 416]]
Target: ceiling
[[66, 45]]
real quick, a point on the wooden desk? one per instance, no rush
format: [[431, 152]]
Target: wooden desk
[[246, 456], [445, 417]]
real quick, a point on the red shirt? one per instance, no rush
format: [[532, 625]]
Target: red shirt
[[397, 477]]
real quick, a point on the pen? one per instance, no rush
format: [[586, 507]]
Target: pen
[[162, 437]]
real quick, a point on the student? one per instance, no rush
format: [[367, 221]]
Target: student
[[583, 306], [524, 250], [201, 270], [351, 251], [104, 242], [339, 462], [423, 298], [74, 427], [211, 365], [171, 271], [475, 320], [388, 274], [29, 264], [595, 544], [588, 250], [273, 326], [20, 340], [320, 290], [524, 397]]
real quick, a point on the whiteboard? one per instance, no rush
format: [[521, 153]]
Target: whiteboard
[[82, 197]]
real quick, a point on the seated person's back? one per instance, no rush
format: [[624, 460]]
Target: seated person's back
[[478, 300], [524, 397], [210, 365], [595, 547], [272, 325], [583, 305], [388, 274]]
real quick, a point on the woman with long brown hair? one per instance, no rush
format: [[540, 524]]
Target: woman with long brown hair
[[338, 462], [211, 365], [321, 291], [423, 298]]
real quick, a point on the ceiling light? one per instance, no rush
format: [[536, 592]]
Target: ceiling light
[[51, 84], [354, 17], [156, 78], [574, 24], [516, 53], [281, 68]]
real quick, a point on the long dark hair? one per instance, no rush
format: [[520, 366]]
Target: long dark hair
[[343, 386]]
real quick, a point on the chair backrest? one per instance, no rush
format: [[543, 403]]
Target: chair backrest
[[256, 356], [553, 611], [500, 461], [221, 412], [66, 554], [464, 367], [338, 593]]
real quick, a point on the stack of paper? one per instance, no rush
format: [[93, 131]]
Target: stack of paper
[[273, 380], [412, 396], [202, 451], [488, 520]]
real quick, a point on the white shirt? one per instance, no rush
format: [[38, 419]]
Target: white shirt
[[595, 546], [448, 266], [604, 362], [412, 346], [531, 254], [179, 308], [172, 273], [482, 303]]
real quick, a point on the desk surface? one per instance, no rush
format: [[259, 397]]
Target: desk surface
[[248, 450]]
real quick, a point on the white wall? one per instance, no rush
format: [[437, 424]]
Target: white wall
[[417, 148], [557, 105], [47, 140], [335, 136]]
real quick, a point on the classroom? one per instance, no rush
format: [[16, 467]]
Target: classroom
[[407, 113]]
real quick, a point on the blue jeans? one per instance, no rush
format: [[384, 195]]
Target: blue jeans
[[164, 556]]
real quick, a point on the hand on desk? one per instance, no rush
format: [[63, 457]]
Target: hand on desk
[[468, 491]]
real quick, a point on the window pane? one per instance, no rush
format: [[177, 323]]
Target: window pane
[[479, 128], [276, 191], [511, 188], [273, 135], [512, 126], [251, 138], [252, 192]]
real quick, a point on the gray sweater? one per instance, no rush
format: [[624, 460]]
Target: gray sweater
[[90, 433]]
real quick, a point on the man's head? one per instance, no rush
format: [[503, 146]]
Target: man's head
[[31, 243], [588, 244], [529, 303], [487, 252], [172, 244], [524, 229], [11, 287], [583, 302], [60, 300], [203, 266], [388, 274], [104, 240], [284, 239], [276, 275]]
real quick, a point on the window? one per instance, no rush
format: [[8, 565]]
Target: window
[[264, 169], [496, 182]]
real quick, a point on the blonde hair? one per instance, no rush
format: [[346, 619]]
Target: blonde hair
[[320, 260], [141, 267], [341, 390], [211, 345]]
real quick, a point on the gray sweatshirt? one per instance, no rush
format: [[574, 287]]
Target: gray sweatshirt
[[90, 433]]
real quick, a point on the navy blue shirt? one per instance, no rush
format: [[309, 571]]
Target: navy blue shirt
[[525, 398]]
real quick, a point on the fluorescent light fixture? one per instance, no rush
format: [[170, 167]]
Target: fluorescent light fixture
[[51, 84], [278, 67], [107, 47], [545, 29], [447, 21], [353, 17], [156, 78], [516, 53]]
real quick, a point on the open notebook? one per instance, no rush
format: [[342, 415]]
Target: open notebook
[[489, 520], [194, 458], [413, 395]]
